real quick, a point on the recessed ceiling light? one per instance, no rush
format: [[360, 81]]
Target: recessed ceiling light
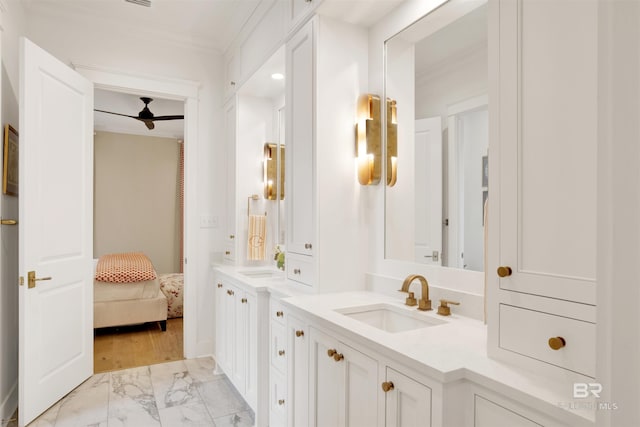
[[277, 76]]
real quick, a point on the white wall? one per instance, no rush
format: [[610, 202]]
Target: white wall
[[12, 23], [72, 41], [136, 205]]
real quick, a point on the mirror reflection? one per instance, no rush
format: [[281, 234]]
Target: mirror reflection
[[436, 72]]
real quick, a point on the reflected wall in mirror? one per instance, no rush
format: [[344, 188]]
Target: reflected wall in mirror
[[436, 71]]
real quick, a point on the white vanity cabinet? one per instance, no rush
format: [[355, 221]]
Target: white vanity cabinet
[[407, 401], [326, 65], [242, 341], [343, 388], [542, 214]]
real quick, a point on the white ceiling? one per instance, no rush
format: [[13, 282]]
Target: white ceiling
[[209, 24], [131, 104]]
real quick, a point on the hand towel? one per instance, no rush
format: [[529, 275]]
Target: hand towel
[[257, 237]]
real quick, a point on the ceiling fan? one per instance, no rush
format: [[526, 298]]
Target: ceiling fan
[[146, 115]]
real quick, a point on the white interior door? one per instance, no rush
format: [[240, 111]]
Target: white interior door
[[428, 187], [56, 230]]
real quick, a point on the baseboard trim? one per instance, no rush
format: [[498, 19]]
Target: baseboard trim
[[9, 404]]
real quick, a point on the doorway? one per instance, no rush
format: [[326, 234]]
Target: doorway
[[186, 92]]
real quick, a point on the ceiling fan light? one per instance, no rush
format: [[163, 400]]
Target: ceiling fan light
[[145, 3]]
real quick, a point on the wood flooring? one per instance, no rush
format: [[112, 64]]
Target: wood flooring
[[137, 345]]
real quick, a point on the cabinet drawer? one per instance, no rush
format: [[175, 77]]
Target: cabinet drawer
[[300, 270], [527, 332], [277, 399], [278, 313], [278, 347]]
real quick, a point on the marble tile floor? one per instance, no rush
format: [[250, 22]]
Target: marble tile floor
[[174, 394]]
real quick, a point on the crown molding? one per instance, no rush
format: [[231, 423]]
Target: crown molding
[[456, 61]]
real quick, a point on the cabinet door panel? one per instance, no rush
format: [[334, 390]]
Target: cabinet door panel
[[361, 388], [488, 414], [238, 339], [548, 146], [222, 323], [300, 143], [249, 307], [326, 375], [409, 403]]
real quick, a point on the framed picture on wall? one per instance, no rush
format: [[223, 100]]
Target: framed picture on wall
[[10, 161], [485, 171]]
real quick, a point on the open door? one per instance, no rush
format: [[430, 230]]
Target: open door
[[56, 231], [428, 190]]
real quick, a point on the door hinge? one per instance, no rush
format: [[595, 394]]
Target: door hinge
[[21, 280]]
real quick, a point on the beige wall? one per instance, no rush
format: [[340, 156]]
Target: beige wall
[[136, 204]]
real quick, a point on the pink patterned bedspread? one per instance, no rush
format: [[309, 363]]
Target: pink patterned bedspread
[[172, 286]]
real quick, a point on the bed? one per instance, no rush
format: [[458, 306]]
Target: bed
[[127, 291]]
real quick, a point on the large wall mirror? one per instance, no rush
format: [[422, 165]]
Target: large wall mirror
[[436, 71]]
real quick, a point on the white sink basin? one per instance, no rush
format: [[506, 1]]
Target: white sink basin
[[261, 274], [390, 318]]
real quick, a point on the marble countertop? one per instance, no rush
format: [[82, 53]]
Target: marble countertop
[[451, 351]]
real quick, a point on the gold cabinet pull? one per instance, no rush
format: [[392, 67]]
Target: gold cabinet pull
[[244, 300], [230, 292], [280, 352], [281, 402], [279, 314], [338, 357], [387, 386], [296, 271], [32, 279], [231, 236], [331, 352], [299, 333], [219, 285], [308, 246], [8, 222], [227, 252], [556, 343], [504, 271]]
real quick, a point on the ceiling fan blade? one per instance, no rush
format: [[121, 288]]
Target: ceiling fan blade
[[117, 114], [149, 124], [177, 117]]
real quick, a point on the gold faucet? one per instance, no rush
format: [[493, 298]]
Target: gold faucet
[[424, 303]]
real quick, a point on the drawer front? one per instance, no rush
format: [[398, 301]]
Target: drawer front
[[277, 400], [527, 332], [300, 270], [278, 347], [278, 314]]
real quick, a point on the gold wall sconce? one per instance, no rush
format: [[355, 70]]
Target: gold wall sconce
[[392, 142], [273, 171], [369, 140]]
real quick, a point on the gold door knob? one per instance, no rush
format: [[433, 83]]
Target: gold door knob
[[281, 402], [279, 314], [338, 357], [299, 334], [281, 353], [556, 343], [331, 352], [219, 285], [387, 386], [32, 279], [504, 271]]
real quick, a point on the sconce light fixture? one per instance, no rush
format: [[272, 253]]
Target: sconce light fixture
[[392, 143], [273, 163], [369, 140]]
